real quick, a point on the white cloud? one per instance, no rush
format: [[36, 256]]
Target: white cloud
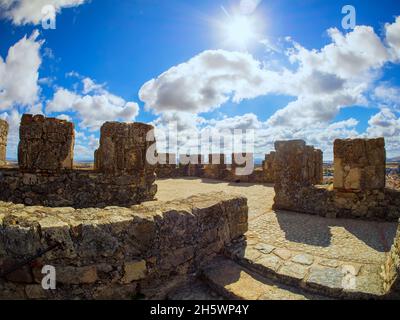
[[205, 82], [13, 118], [323, 81], [19, 73], [349, 55], [93, 106], [393, 37], [387, 94], [22, 12], [64, 117], [63, 100], [386, 123]]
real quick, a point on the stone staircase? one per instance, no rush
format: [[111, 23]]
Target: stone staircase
[[234, 281], [249, 275]]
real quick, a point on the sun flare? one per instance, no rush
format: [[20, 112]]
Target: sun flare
[[239, 30]]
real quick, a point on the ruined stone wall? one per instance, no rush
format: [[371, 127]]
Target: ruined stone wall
[[295, 169], [74, 188], [116, 253], [169, 169], [352, 197], [391, 269], [360, 164], [3, 141], [268, 167], [216, 167], [123, 148], [212, 170], [46, 144], [46, 175]]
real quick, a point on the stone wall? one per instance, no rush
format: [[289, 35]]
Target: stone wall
[[268, 167], [352, 197], [118, 253], [391, 269], [74, 188], [295, 169], [46, 176], [46, 144], [123, 148], [169, 169], [3, 141], [216, 167], [360, 164], [213, 170]]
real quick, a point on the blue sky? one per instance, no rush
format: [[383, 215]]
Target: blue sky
[[118, 46]]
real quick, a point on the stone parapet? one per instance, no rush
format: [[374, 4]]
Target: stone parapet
[[46, 144], [74, 188], [297, 168], [3, 141], [391, 269], [123, 148], [360, 164], [115, 252]]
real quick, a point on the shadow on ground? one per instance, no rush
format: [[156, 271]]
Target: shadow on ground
[[316, 231]]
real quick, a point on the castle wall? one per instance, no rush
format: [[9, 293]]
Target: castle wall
[[360, 164], [3, 141], [391, 269], [115, 252], [46, 144], [356, 193], [46, 176], [75, 188]]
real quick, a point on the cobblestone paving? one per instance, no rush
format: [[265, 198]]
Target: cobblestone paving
[[311, 249]]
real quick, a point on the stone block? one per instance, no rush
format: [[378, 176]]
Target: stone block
[[123, 148], [360, 164], [3, 141], [46, 144], [134, 271]]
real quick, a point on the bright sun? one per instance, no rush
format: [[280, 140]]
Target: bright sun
[[239, 30]]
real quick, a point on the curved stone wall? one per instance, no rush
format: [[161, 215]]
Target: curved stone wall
[[115, 252]]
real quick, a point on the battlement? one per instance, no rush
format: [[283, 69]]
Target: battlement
[[121, 175], [3, 141], [359, 181]]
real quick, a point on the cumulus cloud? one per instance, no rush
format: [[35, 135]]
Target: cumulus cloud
[[13, 118], [322, 81], [386, 123], [387, 94], [393, 37], [19, 73], [205, 82], [93, 106], [22, 12]]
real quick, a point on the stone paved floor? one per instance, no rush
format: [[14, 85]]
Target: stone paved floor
[[297, 239]]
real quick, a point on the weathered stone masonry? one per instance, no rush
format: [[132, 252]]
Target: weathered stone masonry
[[391, 269], [3, 141], [359, 187], [46, 144], [115, 252], [45, 175], [212, 170]]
